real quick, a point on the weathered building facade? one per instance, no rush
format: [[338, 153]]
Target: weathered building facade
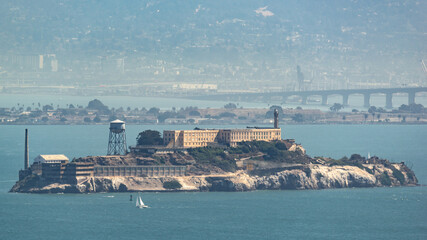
[[205, 137]]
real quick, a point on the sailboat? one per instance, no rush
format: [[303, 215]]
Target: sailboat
[[140, 203]]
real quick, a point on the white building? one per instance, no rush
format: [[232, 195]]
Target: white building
[[51, 158]]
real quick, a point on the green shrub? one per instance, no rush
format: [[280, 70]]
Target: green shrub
[[368, 170], [410, 175], [307, 171], [398, 175], [215, 156], [174, 184], [385, 179]]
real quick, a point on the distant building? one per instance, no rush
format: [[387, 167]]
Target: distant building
[[195, 86], [53, 158], [205, 137], [230, 137]]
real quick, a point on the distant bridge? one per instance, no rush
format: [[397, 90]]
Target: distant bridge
[[345, 93]]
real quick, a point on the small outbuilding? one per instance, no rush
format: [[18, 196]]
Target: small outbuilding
[[51, 158]]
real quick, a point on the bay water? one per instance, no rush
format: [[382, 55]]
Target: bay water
[[370, 213], [31, 100]]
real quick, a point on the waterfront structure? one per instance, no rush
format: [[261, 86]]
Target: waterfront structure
[[117, 138], [70, 172], [66, 172], [140, 171], [51, 158]]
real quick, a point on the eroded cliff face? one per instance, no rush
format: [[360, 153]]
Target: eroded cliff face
[[312, 176]]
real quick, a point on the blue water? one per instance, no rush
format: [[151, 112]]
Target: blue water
[[372, 213], [355, 101]]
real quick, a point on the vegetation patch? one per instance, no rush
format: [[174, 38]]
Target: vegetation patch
[[369, 170], [385, 179], [275, 151], [214, 156], [355, 160], [149, 137], [174, 184], [307, 171], [398, 175], [409, 173]]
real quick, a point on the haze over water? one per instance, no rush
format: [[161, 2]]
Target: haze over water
[[147, 52], [372, 213]]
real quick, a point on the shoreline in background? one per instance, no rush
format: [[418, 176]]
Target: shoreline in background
[[97, 112]]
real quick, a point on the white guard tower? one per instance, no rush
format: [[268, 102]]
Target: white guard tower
[[117, 139]]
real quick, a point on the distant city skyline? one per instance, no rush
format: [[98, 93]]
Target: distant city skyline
[[150, 47]]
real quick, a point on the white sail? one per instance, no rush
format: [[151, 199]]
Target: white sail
[[140, 203]]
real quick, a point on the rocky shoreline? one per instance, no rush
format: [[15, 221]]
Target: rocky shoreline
[[310, 176]]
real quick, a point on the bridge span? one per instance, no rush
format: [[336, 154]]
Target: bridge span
[[345, 93]]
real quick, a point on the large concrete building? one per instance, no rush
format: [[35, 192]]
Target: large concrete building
[[205, 137], [230, 137]]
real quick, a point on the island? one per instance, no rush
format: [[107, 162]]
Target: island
[[254, 158]]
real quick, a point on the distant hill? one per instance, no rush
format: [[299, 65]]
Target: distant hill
[[266, 35], [91, 27]]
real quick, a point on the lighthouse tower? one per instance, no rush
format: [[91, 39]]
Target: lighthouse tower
[[117, 138]]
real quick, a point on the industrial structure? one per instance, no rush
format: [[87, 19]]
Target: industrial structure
[[117, 138], [276, 118], [56, 168], [27, 155], [26, 171]]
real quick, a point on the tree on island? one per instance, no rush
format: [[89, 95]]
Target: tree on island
[[336, 107], [365, 116], [412, 108], [47, 108], [194, 113], [227, 115], [97, 119], [270, 113], [298, 118], [149, 137], [154, 111], [97, 105], [230, 106], [372, 109]]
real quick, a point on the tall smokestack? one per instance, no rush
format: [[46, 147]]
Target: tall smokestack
[[276, 118], [27, 156]]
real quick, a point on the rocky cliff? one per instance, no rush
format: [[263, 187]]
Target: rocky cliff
[[310, 176]]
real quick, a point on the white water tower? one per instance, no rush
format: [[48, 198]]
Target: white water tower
[[117, 139]]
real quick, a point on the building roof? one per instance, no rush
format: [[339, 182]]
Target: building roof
[[117, 121], [48, 157]]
